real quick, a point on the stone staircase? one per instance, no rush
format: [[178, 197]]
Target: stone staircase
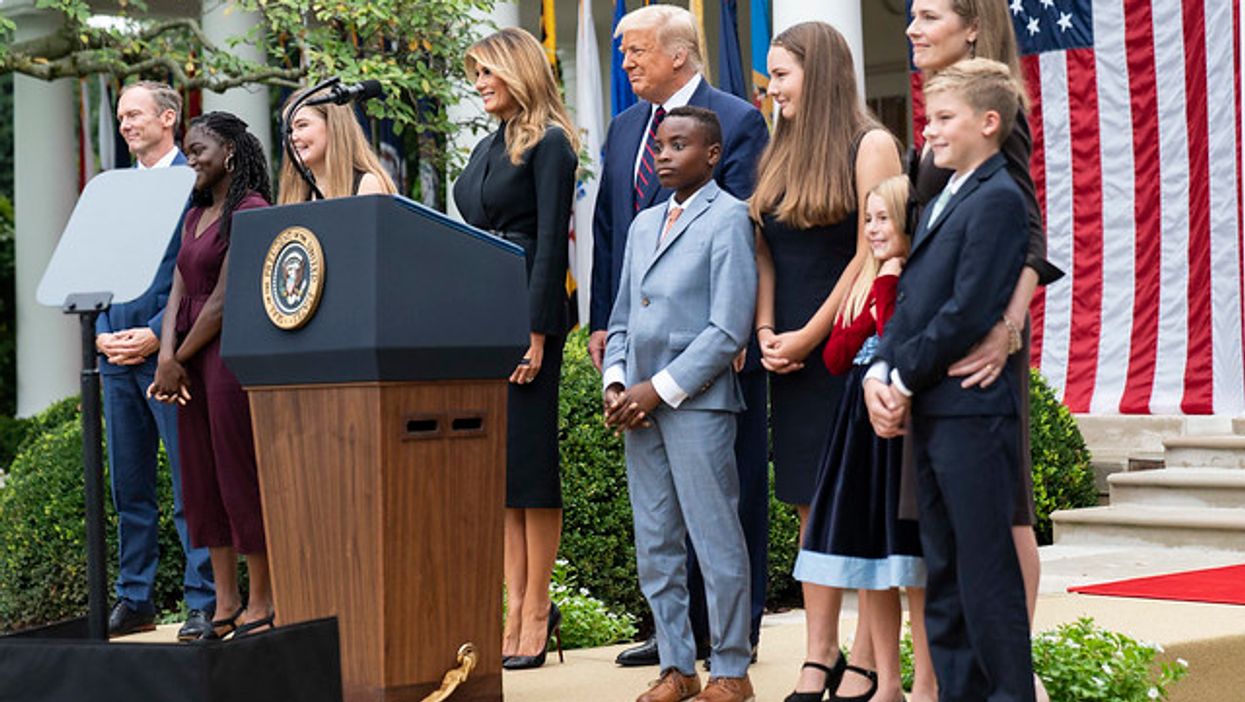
[[1190, 495]]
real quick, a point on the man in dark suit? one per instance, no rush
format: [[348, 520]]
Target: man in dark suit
[[966, 257], [127, 338], [662, 58]]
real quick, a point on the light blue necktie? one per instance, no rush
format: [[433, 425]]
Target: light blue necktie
[[939, 204]]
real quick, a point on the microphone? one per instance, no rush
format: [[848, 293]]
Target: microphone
[[345, 94]]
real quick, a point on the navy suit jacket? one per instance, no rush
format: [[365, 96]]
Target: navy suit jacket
[[744, 136], [148, 308], [960, 274]]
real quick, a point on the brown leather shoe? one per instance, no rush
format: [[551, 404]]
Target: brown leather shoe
[[727, 690], [672, 687]]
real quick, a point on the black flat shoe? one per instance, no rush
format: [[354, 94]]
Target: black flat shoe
[[253, 627], [554, 629], [871, 675], [833, 676], [229, 624], [197, 626], [641, 655]]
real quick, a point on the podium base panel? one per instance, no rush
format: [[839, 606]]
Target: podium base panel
[[383, 505]]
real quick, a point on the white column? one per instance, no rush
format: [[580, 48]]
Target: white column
[[222, 19], [45, 146], [504, 14], [843, 15]]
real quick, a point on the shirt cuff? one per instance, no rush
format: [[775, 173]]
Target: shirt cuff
[[613, 374], [880, 370], [668, 389], [898, 383]]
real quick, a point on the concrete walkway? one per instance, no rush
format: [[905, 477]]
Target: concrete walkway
[[1210, 637]]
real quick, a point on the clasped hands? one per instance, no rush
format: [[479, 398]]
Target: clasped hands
[[629, 408], [784, 353], [172, 384], [128, 347], [888, 408]]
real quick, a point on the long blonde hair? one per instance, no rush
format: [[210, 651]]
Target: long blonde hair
[[894, 194], [996, 36], [517, 59], [347, 151], [807, 176]]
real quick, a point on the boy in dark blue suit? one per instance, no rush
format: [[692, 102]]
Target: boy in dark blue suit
[[966, 257]]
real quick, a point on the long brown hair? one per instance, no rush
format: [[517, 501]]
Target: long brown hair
[[807, 176], [517, 59], [347, 151], [996, 35]]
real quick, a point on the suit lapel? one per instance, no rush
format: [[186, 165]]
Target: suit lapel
[[925, 232], [699, 205]]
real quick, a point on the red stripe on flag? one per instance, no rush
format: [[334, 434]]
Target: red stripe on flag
[[1086, 327], [1139, 40], [1199, 383], [1037, 168], [918, 110]]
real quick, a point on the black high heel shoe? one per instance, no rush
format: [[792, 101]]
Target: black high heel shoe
[[871, 675], [833, 676], [554, 628], [229, 624]]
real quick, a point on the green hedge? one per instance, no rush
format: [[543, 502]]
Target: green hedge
[[41, 545], [1062, 475], [42, 532]]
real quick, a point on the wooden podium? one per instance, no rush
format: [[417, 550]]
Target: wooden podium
[[380, 428]]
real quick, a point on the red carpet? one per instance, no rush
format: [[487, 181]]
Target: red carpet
[[1214, 585]]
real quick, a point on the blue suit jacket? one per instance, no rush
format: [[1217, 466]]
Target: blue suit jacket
[[744, 136], [960, 274], [686, 305], [148, 308]]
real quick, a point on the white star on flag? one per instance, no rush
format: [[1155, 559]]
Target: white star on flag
[[1033, 26], [1065, 21], [1018, 7], [1048, 4]]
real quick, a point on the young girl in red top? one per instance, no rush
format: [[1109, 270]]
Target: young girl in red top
[[855, 539]]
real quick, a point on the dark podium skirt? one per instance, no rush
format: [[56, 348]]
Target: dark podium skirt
[[533, 473], [855, 538]]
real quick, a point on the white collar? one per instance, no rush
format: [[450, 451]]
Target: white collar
[[682, 96], [683, 205], [164, 162], [957, 181]]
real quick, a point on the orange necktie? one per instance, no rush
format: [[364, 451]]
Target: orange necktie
[[671, 216]]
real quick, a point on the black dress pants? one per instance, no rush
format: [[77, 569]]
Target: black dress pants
[[975, 614]]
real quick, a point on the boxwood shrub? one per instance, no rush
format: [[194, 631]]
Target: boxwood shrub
[[42, 529]]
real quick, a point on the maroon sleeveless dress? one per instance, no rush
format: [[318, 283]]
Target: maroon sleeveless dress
[[220, 486]]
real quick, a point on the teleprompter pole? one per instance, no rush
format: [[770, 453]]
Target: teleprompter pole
[[88, 307]]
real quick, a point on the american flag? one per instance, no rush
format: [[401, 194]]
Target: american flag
[[1136, 121]]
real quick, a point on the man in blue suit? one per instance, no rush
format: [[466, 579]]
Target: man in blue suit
[[662, 58], [127, 338]]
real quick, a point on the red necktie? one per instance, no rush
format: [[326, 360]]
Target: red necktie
[[646, 175]]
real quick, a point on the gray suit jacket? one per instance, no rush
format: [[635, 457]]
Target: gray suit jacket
[[687, 306]]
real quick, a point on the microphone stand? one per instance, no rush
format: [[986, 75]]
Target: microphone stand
[[287, 135]]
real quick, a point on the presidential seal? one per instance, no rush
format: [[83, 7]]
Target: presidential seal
[[293, 278]]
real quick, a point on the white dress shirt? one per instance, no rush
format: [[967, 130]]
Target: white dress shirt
[[164, 162]]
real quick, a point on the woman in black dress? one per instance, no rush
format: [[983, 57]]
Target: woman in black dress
[[520, 184], [826, 153]]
